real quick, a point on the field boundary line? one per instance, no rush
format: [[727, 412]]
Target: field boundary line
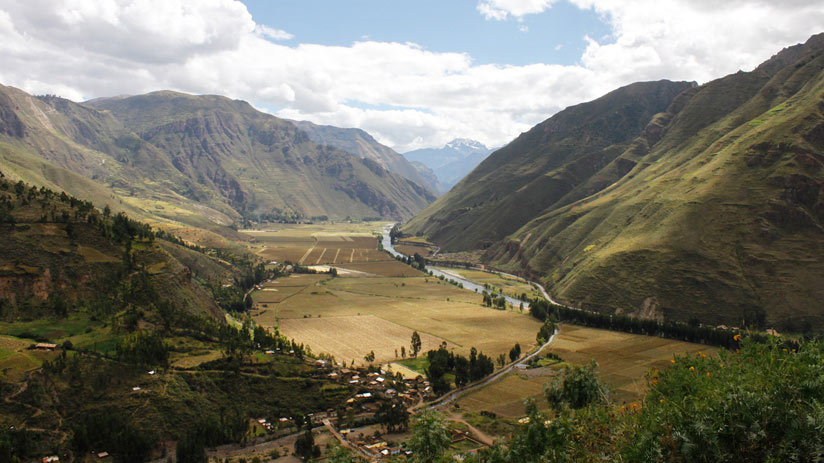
[[320, 257], [307, 253]]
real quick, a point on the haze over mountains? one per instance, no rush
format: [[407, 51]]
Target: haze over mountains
[[451, 162], [667, 200], [360, 143], [203, 160]]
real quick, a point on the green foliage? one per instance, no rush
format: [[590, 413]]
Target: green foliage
[[543, 310], [144, 348], [761, 403], [442, 362], [393, 415], [305, 447], [191, 448], [430, 436], [110, 429], [578, 388], [415, 344], [339, 454]]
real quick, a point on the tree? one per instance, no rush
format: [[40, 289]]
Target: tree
[[393, 415], [305, 447], [430, 437], [403, 352], [515, 352], [370, 357], [579, 388], [461, 371], [416, 343], [191, 448]]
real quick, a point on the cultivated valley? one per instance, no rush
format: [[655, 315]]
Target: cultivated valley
[[190, 278]]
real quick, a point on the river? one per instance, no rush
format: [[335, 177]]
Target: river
[[468, 285]]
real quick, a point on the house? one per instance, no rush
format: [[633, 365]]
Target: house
[[102, 455], [45, 346]]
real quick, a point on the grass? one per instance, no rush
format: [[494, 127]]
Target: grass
[[418, 364], [55, 329]]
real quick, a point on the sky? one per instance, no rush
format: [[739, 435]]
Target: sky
[[414, 74]]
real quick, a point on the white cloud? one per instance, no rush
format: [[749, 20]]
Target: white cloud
[[274, 34], [405, 95], [502, 9], [523, 28]]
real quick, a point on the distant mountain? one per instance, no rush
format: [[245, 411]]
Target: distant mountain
[[360, 143], [200, 160], [708, 205], [452, 162]]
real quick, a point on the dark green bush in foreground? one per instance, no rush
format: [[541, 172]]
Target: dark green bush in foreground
[[761, 403]]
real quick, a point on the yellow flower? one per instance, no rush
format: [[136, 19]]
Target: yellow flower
[[661, 401], [737, 337], [692, 368], [722, 365], [672, 361], [708, 374]]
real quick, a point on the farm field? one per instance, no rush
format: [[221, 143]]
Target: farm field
[[16, 359], [391, 268], [316, 244], [510, 286], [410, 250], [433, 308], [623, 361]]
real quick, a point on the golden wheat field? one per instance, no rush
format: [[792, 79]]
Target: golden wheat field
[[623, 362], [425, 304]]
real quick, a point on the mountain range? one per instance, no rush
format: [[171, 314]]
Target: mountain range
[[361, 144], [665, 200], [451, 162], [206, 161]]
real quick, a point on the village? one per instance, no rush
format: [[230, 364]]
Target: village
[[364, 432]]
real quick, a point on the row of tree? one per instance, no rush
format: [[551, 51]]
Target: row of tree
[[544, 310]]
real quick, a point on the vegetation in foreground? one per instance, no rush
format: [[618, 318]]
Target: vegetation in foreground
[[760, 403]]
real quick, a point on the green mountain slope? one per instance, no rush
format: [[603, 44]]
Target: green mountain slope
[[138, 352], [205, 161], [260, 164], [541, 167], [714, 213], [361, 144]]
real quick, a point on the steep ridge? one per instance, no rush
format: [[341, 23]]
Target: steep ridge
[[540, 167], [362, 144], [262, 165], [206, 161], [715, 213]]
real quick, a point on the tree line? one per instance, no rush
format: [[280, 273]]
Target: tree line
[[544, 310]]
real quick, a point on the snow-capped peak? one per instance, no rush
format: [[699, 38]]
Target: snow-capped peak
[[466, 146]]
